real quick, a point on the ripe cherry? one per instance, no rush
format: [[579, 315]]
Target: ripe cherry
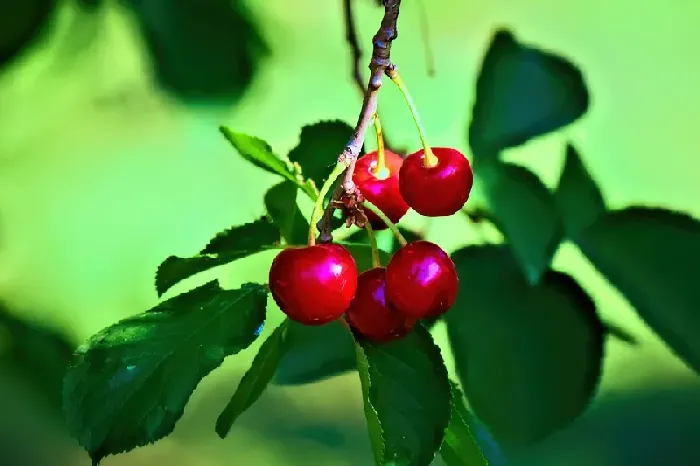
[[370, 316], [421, 280], [313, 285], [380, 186], [436, 186]]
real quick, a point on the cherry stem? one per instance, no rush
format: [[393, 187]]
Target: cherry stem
[[380, 171], [392, 226], [373, 243], [318, 206], [430, 160]]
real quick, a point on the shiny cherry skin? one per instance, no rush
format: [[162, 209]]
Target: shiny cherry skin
[[436, 191], [369, 315], [381, 189], [421, 280], [313, 285]]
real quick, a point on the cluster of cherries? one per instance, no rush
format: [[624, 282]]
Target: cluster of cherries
[[317, 284]]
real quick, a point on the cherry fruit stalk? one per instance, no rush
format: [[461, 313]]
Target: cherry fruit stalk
[[370, 316], [421, 280], [313, 285]]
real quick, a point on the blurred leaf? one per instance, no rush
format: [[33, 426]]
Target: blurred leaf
[[406, 396], [255, 381], [460, 446], [90, 5], [578, 198], [259, 153], [129, 383], [363, 255], [22, 23], [38, 354], [522, 93], [653, 257], [529, 357], [319, 146], [281, 204], [526, 213], [360, 237], [227, 246], [202, 50], [315, 353]]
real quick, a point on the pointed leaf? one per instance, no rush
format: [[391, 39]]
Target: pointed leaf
[[652, 256], [260, 154], [529, 357], [406, 396], [128, 384], [460, 446], [254, 381], [579, 200], [281, 204], [522, 93], [227, 246], [319, 146], [526, 211]]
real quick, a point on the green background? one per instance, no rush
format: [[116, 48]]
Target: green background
[[102, 176]]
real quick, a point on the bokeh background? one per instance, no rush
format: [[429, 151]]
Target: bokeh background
[[104, 172]]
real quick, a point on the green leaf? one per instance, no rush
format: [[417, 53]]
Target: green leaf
[[128, 384], [38, 354], [460, 447], [260, 154], [529, 357], [652, 256], [227, 246], [313, 354], [522, 93], [526, 211], [361, 237], [23, 25], [363, 255], [319, 146], [255, 380], [406, 396], [579, 200], [281, 204]]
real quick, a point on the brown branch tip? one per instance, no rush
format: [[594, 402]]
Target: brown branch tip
[[346, 193]]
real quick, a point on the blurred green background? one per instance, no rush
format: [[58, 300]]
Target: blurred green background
[[104, 173]]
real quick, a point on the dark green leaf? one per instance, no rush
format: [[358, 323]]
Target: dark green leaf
[[361, 237], [526, 212], [460, 446], [406, 397], [363, 255], [578, 198], [227, 246], [21, 25], [201, 50], [128, 384], [260, 154], [255, 380], [281, 204], [315, 353], [522, 93], [529, 357], [652, 256], [38, 354], [319, 146]]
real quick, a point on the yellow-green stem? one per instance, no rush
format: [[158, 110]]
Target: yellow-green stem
[[373, 244], [380, 170], [392, 226], [430, 160], [318, 206]]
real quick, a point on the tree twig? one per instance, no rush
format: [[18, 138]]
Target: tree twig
[[381, 59]]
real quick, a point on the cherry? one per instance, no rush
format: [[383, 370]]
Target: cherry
[[421, 280], [313, 285], [370, 316], [436, 190], [381, 187]]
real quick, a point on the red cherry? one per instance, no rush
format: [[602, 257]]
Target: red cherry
[[313, 285], [421, 280], [369, 315], [436, 191], [381, 189]]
